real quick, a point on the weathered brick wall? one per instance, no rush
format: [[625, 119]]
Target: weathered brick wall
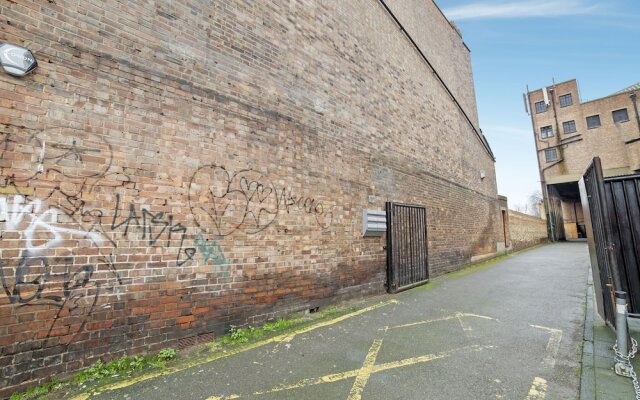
[[526, 230], [442, 45], [174, 167]]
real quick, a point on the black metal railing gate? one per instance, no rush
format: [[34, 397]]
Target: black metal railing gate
[[612, 216], [594, 209], [407, 255]]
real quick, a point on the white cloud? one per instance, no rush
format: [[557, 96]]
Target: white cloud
[[521, 9], [506, 130]]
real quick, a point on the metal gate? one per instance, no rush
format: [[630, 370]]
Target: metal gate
[[407, 256], [622, 194], [612, 215], [594, 206]]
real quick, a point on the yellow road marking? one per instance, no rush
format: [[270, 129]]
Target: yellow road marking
[[538, 389], [356, 372], [553, 345], [465, 326], [365, 372], [276, 339], [458, 315], [289, 337]]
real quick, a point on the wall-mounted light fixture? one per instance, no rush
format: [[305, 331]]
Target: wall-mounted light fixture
[[16, 60], [482, 174]]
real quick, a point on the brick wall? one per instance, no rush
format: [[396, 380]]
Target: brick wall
[[526, 230], [172, 168]]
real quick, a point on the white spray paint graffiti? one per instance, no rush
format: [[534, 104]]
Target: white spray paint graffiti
[[18, 212]]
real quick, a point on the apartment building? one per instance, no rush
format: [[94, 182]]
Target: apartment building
[[569, 132]]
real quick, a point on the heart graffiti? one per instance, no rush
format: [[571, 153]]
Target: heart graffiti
[[223, 202]]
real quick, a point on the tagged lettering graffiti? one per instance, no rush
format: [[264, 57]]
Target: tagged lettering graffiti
[[41, 224], [245, 201], [153, 227], [56, 282]]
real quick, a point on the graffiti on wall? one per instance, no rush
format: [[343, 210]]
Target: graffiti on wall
[[210, 250], [42, 230], [82, 158], [157, 229], [224, 201], [50, 204], [54, 281]]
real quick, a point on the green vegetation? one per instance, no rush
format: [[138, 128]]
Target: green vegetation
[[238, 336], [102, 373], [37, 392], [121, 367], [245, 335]]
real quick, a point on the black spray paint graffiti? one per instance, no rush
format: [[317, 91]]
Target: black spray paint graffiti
[[245, 201], [53, 281], [153, 227], [79, 161], [82, 158]]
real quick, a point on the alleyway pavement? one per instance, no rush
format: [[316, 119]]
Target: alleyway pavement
[[513, 330], [598, 378]]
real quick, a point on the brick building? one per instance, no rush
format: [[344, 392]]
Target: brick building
[[174, 167], [569, 133]]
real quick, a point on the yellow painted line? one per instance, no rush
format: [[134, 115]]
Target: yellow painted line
[[457, 315], [365, 372], [354, 373], [289, 337], [276, 339], [429, 321], [538, 389], [553, 345], [465, 326], [479, 316]]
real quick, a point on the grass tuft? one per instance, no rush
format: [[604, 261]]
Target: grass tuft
[[121, 367]]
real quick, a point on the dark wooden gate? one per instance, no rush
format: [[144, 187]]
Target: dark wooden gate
[[407, 256], [613, 216]]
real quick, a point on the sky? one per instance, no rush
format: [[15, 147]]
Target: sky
[[515, 43]]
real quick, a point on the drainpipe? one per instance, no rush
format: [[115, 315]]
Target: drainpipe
[[635, 108], [555, 113]]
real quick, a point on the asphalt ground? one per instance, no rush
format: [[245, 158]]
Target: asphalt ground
[[513, 330]]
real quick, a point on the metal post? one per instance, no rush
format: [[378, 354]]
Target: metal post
[[622, 366]]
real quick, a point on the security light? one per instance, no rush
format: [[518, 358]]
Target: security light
[[16, 60]]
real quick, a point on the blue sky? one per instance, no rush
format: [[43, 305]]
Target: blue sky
[[515, 43]]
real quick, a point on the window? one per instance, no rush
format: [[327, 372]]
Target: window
[[566, 100], [541, 107], [620, 115], [593, 121], [569, 126], [551, 155], [546, 132]]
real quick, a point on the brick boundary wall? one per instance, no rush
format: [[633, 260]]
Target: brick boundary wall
[[526, 230], [169, 170]]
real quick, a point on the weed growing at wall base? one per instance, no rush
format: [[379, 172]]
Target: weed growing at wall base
[[121, 367], [238, 335]]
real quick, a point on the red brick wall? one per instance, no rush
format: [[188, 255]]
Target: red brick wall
[[170, 169]]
